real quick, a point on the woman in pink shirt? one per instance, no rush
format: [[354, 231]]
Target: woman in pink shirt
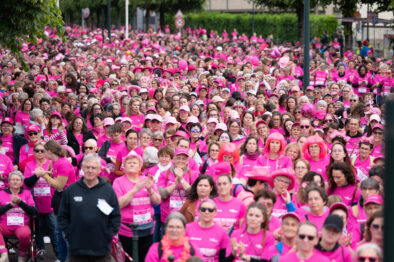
[[315, 151], [250, 153], [26, 152], [307, 238], [255, 237], [55, 129], [136, 196], [273, 156], [17, 205], [22, 117], [364, 161], [205, 235], [378, 142], [133, 112]]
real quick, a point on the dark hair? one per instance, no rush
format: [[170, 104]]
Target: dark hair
[[116, 128], [264, 225], [287, 102], [54, 147], [84, 126], [320, 190], [346, 158], [165, 150], [131, 131], [193, 190], [267, 194], [347, 172], [309, 177], [243, 147], [376, 171], [271, 123], [377, 214], [243, 116]]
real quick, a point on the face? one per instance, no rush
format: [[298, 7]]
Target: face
[[377, 229], [366, 254], [204, 189], [306, 238], [342, 214], [78, 124], [275, 146], [276, 121], [234, 128], [224, 137], [268, 203], [39, 152], [251, 146], [132, 140], [34, 136], [372, 208], [281, 184], [314, 150], [224, 186], [207, 211], [300, 170], [304, 126], [338, 153], [214, 152], [254, 218], [289, 227], [330, 235], [91, 170], [15, 182], [90, 147], [365, 150], [247, 120], [262, 130], [132, 165], [175, 229], [378, 135], [315, 201], [27, 106], [292, 153], [116, 137], [145, 140], [181, 161], [55, 121], [339, 178], [164, 159]]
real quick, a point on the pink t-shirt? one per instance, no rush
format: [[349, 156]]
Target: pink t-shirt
[[254, 243], [281, 162], [15, 217], [140, 208], [208, 241], [124, 151], [347, 193], [273, 250], [317, 220], [320, 167], [292, 257], [153, 253], [362, 167], [8, 146], [341, 254], [279, 209], [22, 118], [178, 197], [25, 152], [229, 213], [5, 168], [42, 191], [113, 152], [102, 139], [63, 167]]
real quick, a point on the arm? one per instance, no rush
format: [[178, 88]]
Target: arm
[[165, 192], [5, 208], [30, 210], [103, 152], [117, 170], [31, 181], [126, 198], [63, 136], [57, 183]]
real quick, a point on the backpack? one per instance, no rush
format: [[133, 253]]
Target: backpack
[[160, 250]]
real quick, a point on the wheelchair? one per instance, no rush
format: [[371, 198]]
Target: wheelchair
[[11, 242]]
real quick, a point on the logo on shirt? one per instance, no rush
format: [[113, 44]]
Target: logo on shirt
[[213, 240], [78, 199], [195, 238], [233, 211]]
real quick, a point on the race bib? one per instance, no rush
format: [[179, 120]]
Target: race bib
[[362, 90], [142, 216], [176, 203], [2, 185], [278, 212], [42, 190], [15, 219]]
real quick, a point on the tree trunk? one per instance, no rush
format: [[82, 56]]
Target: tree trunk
[[98, 18], [348, 35], [300, 23], [119, 15], [162, 22], [147, 17]]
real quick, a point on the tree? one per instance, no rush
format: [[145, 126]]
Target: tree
[[24, 21], [296, 6]]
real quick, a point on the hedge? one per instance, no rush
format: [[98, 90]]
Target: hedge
[[282, 26]]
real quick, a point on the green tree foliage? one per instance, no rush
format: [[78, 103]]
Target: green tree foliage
[[280, 26], [24, 21]]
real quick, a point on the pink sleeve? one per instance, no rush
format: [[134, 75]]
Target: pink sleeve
[[10, 167], [117, 189], [153, 255], [162, 179], [28, 172]]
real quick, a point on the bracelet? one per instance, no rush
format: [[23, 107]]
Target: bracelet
[[183, 180]]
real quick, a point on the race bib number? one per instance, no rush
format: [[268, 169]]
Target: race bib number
[[142, 216], [362, 90], [176, 203], [15, 219], [44, 190]]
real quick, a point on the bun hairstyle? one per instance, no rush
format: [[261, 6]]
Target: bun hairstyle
[[54, 147]]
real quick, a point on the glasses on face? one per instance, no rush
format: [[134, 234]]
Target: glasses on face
[[297, 112], [303, 236], [158, 139], [89, 148], [353, 100], [39, 150], [367, 259], [304, 127], [195, 130], [33, 133], [328, 121], [377, 227], [212, 115], [205, 209], [283, 181], [300, 168], [215, 150], [378, 133]]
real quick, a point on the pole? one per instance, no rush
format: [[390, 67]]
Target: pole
[[83, 22], [135, 241], [127, 20], [253, 17], [305, 81], [389, 181], [367, 23], [109, 19], [103, 22]]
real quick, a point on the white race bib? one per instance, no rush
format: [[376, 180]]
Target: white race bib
[[142, 216], [42, 190], [15, 219], [176, 203], [362, 90]]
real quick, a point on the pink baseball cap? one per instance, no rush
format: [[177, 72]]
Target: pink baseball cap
[[310, 88], [126, 119], [374, 198], [221, 126], [7, 120], [171, 120], [157, 117], [293, 215], [216, 99], [378, 126], [151, 108], [185, 108], [55, 113], [181, 134], [212, 120], [286, 172], [181, 151], [33, 128], [109, 121], [134, 154], [192, 119], [118, 119], [260, 173]]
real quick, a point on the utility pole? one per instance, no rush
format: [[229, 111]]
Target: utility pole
[[109, 19], [305, 81], [127, 20]]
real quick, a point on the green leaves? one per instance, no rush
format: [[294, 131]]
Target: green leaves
[[24, 21]]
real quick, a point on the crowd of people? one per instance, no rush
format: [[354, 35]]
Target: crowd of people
[[206, 140]]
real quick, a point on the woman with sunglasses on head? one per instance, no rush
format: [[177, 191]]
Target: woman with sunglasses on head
[[307, 238], [252, 242], [207, 236], [273, 156], [203, 187], [42, 194]]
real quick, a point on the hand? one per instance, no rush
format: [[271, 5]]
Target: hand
[[140, 184], [149, 183], [61, 128], [15, 199], [39, 171], [286, 196], [113, 159], [234, 246], [347, 241], [178, 173]]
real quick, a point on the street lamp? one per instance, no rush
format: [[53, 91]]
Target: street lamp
[[305, 81]]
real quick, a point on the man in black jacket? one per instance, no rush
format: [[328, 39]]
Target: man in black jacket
[[89, 215]]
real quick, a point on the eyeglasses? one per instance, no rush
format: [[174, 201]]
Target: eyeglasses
[[89, 148], [366, 259], [158, 139], [303, 236], [378, 133], [300, 168], [353, 100], [328, 121], [212, 115], [283, 181], [205, 209], [195, 130], [297, 112], [39, 151], [33, 133], [304, 127], [376, 226], [215, 150]]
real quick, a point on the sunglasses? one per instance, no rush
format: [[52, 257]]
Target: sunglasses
[[328, 121], [195, 130], [39, 150], [33, 133], [304, 127], [88, 148], [158, 139], [376, 226], [353, 100], [378, 133], [297, 112], [205, 209], [366, 259], [302, 237]]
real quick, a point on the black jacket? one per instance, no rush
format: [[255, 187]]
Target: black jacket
[[73, 142], [17, 142], [104, 150], [88, 230]]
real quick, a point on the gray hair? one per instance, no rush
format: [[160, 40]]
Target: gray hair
[[175, 215], [321, 103], [36, 112], [370, 183], [16, 173], [91, 140], [354, 96], [92, 158], [146, 131], [372, 246], [158, 133], [303, 98], [23, 96], [150, 155]]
